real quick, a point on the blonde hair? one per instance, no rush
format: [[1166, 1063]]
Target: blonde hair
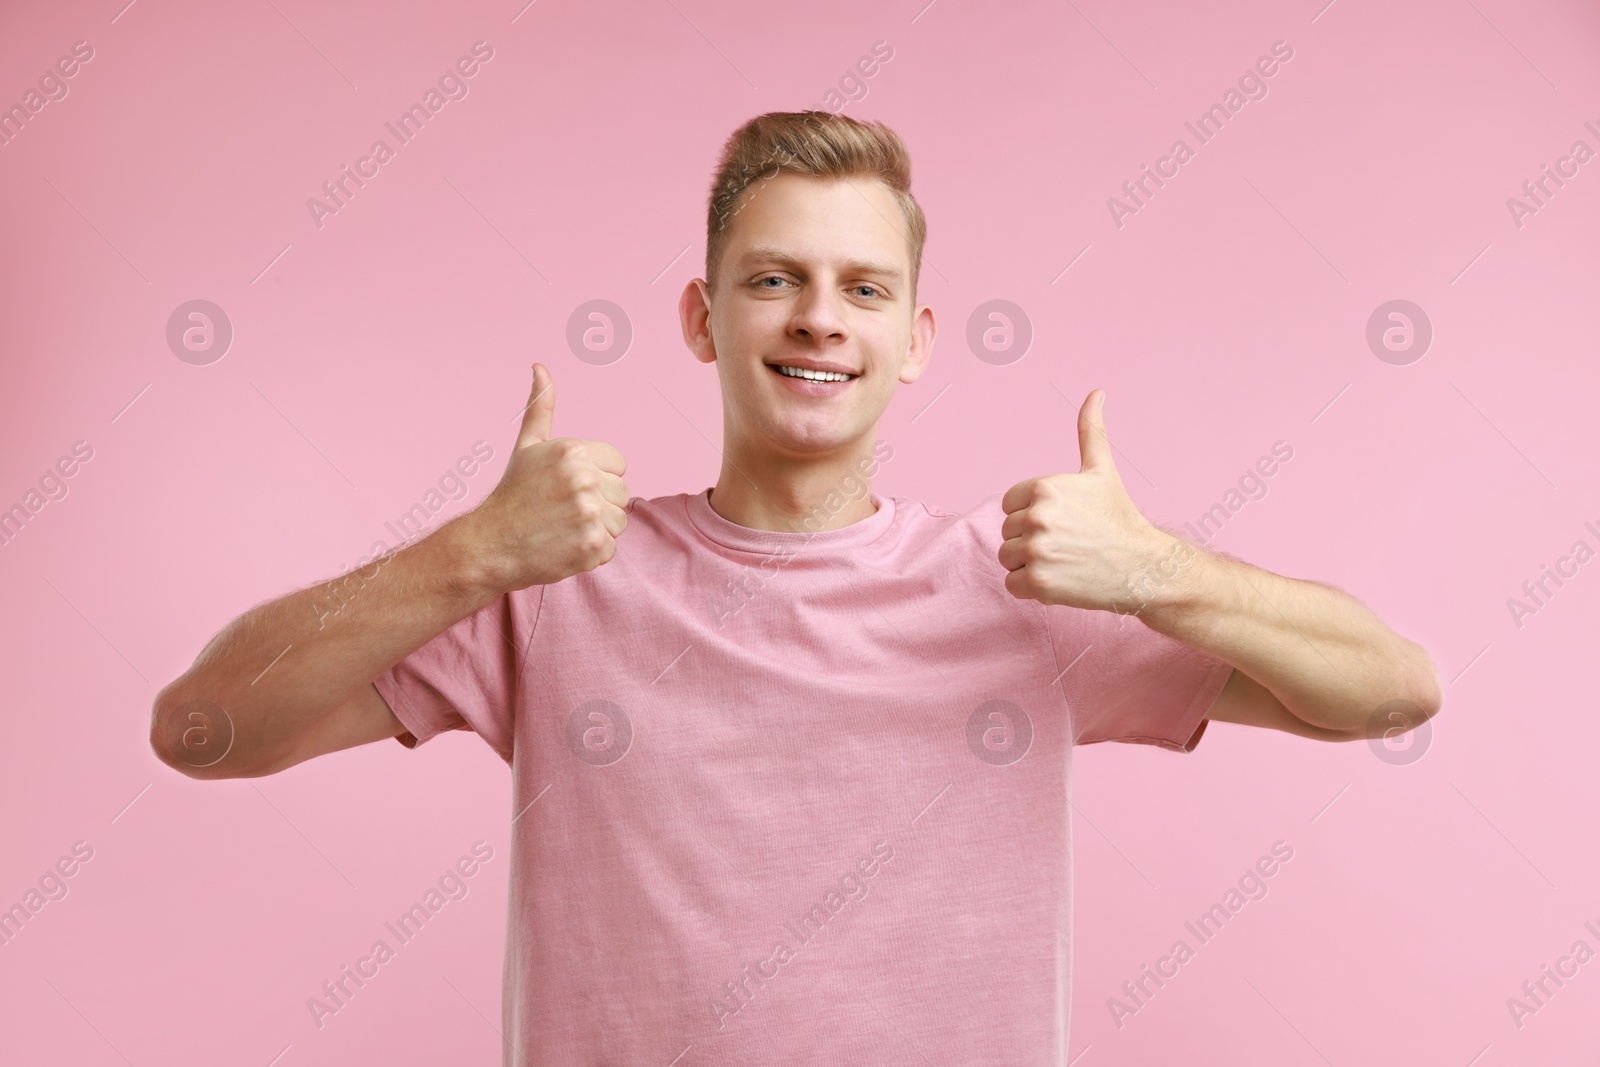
[[816, 144]]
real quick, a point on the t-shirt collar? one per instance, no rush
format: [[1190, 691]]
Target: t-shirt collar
[[730, 534]]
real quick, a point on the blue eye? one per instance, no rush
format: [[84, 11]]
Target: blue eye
[[873, 288]]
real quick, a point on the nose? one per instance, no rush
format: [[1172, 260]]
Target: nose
[[816, 317]]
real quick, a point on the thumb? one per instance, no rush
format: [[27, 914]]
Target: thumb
[[539, 415], [1094, 447]]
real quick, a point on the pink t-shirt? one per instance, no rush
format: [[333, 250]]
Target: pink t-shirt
[[794, 798]]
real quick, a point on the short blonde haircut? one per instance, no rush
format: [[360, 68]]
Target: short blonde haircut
[[816, 144]]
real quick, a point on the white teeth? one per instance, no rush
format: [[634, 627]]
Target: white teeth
[[814, 375]]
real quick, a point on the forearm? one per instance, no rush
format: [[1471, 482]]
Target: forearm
[[281, 667], [1327, 657]]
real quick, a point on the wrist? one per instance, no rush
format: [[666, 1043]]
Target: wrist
[[471, 562], [1172, 586]]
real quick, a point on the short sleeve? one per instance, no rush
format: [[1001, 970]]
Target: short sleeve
[[467, 677], [1125, 682]]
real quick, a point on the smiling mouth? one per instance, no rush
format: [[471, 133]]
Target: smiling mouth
[[803, 375]]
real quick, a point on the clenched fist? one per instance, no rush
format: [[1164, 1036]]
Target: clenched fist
[[1078, 539], [558, 508]]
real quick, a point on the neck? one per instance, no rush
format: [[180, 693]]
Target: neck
[[795, 496]]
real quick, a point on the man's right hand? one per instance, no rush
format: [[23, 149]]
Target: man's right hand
[[557, 510], [559, 506]]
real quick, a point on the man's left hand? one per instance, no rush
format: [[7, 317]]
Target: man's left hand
[[1078, 539]]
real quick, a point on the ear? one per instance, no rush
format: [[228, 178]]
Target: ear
[[923, 330], [694, 315]]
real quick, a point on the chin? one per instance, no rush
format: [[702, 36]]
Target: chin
[[813, 439]]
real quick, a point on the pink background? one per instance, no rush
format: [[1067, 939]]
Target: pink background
[[1224, 316]]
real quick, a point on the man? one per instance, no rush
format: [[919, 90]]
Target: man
[[791, 758]]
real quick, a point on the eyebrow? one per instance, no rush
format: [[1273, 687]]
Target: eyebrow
[[772, 252]]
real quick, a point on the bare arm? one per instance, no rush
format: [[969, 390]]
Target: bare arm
[[292, 678], [1308, 658], [278, 670], [1308, 648]]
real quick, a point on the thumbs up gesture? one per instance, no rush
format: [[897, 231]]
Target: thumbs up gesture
[[1078, 539], [558, 507]]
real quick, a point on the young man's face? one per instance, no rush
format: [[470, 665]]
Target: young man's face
[[813, 271]]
